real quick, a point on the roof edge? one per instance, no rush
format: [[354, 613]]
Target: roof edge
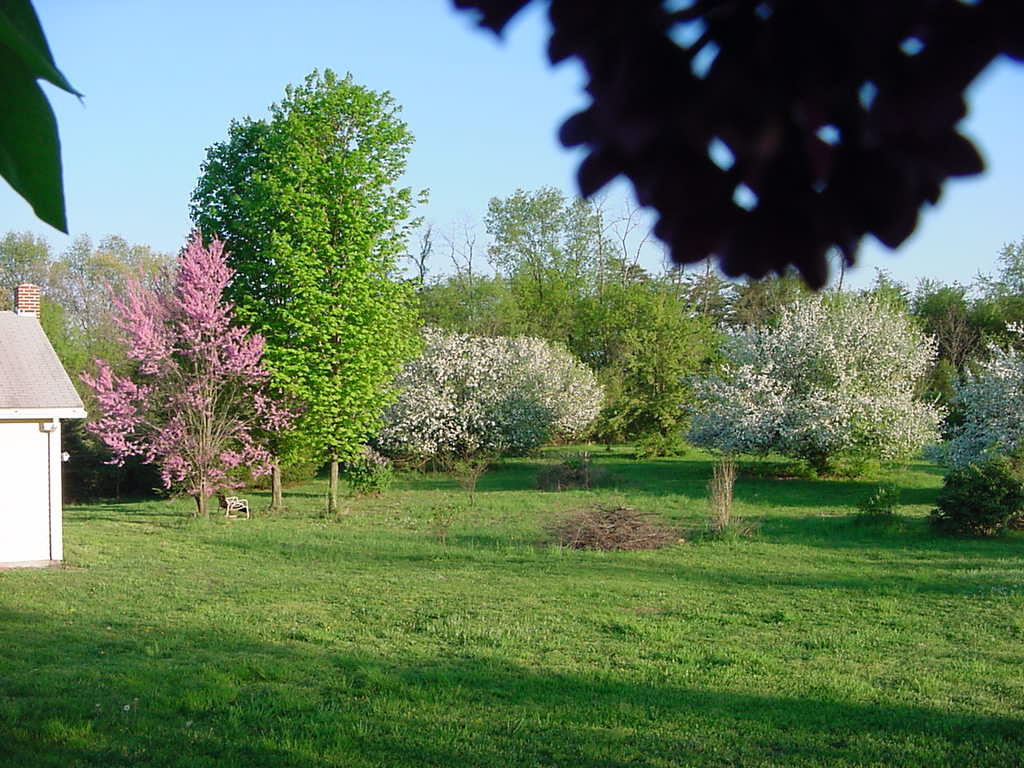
[[42, 413]]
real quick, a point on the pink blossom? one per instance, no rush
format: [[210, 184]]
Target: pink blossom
[[196, 405]]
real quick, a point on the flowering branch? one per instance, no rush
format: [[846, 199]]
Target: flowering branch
[[196, 404]]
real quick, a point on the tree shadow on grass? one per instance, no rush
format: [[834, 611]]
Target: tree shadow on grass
[[670, 478], [824, 494], [687, 479], [938, 566], [912, 533], [518, 476], [891, 577], [87, 696], [155, 513], [664, 476]]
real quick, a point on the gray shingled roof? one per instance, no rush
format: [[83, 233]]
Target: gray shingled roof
[[31, 376]]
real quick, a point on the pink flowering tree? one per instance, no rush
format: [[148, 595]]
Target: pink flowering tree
[[196, 404]]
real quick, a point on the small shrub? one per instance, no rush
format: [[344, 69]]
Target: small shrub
[[654, 445], [720, 487], [881, 503], [443, 516], [576, 470], [851, 467], [467, 472], [796, 469], [370, 474], [611, 528], [980, 499]]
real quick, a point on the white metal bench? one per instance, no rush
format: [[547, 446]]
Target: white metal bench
[[233, 504]]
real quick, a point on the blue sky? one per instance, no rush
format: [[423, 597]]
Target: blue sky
[[162, 80]]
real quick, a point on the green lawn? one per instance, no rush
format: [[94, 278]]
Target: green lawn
[[365, 641]]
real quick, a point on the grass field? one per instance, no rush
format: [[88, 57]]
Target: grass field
[[366, 641]]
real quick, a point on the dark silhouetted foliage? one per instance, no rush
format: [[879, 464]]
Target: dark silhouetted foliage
[[765, 132]]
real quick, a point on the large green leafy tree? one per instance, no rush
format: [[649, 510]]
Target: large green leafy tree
[[761, 302], [1001, 299], [551, 251], [479, 305], [307, 205], [646, 343]]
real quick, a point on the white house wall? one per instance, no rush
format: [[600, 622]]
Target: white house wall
[[28, 488], [56, 469]]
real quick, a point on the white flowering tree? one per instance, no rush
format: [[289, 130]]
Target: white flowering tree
[[466, 395], [990, 407], [836, 377]]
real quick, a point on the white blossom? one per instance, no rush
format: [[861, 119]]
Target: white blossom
[[467, 394], [835, 376], [990, 403]]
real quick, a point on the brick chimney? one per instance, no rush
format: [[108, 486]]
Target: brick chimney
[[26, 299]]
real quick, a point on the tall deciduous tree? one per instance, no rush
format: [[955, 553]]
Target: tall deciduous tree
[[307, 204], [195, 404], [24, 258], [549, 249], [82, 277], [1001, 299], [649, 344], [758, 302]]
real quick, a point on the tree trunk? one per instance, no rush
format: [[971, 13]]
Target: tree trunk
[[332, 489], [201, 510], [276, 494]]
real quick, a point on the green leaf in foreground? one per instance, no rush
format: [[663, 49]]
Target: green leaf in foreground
[[29, 144]]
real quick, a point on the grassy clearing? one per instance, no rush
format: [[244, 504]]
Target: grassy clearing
[[366, 641]]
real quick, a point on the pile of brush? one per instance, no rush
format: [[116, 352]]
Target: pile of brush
[[612, 528]]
